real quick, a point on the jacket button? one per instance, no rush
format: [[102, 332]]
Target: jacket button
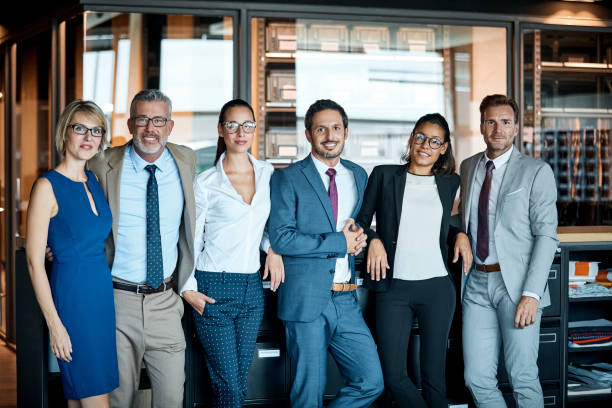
[[331, 271]]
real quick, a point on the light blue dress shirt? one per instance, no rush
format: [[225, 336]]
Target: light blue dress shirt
[[131, 247]]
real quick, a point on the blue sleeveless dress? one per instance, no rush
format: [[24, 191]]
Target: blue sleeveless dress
[[82, 287]]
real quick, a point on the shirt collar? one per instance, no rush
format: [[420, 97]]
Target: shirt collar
[[257, 165], [139, 163], [322, 167], [500, 160]]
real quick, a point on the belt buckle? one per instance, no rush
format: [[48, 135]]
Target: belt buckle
[[164, 286], [138, 289]]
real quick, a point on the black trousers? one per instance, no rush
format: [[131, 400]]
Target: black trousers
[[432, 301]]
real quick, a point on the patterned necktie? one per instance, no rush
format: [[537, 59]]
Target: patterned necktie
[[155, 265], [482, 241], [333, 193]]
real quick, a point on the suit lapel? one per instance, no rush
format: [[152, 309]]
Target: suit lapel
[[399, 185], [471, 178], [360, 186], [313, 177], [113, 182], [512, 167]]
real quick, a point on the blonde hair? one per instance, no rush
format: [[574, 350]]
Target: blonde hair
[[87, 107]]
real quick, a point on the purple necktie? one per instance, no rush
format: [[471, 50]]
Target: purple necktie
[[333, 193], [482, 241]]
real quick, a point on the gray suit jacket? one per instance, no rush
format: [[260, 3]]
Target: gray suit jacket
[[107, 167], [525, 222]]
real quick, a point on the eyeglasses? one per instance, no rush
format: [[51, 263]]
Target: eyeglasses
[[79, 129], [434, 142], [142, 121], [248, 126]]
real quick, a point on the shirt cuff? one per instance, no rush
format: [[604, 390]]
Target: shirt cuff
[[190, 284], [531, 294]]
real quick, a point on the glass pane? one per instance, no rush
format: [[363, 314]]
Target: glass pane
[[32, 119], [190, 58], [3, 204], [568, 99], [385, 76]]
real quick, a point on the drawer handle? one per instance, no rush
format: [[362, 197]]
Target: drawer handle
[[266, 284], [552, 274], [268, 353], [548, 338], [550, 400]]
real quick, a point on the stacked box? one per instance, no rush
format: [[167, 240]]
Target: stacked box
[[325, 37], [285, 37], [369, 38], [416, 39], [281, 86], [281, 142]]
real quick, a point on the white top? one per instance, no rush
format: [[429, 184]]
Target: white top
[[130, 261], [347, 199], [229, 232], [500, 164], [417, 255]]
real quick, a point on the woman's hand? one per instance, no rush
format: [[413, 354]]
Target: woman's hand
[[463, 248], [276, 269], [377, 260], [60, 342], [197, 300]]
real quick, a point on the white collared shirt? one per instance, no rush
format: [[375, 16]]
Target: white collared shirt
[[130, 261], [229, 232], [500, 163], [347, 199]]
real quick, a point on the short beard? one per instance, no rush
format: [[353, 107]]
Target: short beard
[[327, 155], [143, 149]]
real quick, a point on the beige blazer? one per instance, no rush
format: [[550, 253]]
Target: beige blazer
[[107, 167], [525, 229]]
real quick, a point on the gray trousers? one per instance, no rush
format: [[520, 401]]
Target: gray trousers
[[488, 326], [149, 330]]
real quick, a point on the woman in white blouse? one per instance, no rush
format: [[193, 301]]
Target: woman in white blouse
[[225, 290]]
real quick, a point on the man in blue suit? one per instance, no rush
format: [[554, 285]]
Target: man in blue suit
[[314, 202]]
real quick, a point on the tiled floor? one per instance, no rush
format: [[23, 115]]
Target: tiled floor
[[8, 377]]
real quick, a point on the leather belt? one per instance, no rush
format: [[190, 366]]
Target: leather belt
[[488, 268], [144, 288], [343, 287]]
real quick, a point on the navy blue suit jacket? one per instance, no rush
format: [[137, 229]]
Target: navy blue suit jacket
[[302, 230]]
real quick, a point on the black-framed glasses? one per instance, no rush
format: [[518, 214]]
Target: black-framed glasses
[[248, 126], [96, 131], [142, 121], [434, 142]]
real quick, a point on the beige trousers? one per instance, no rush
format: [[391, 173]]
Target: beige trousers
[[149, 330]]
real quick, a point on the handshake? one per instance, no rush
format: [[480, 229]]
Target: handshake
[[355, 237]]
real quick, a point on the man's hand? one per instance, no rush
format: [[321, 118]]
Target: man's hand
[[377, 260], [48, 254], [463, 248], [274, 265], [526, 312], [355, 237], [197, 300]]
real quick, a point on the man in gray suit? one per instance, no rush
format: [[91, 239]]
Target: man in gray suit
[[508, 207]]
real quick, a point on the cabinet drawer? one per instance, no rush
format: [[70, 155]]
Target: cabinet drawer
[[267, 373], [548, 356], [554, 287], [270, 322], [552, 397]]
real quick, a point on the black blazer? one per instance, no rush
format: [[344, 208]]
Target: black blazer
[[383, 196]]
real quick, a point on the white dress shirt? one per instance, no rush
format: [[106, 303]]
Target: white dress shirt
[[500, 164], [418, 255], [130, 261], [347, 199], [229, 232]]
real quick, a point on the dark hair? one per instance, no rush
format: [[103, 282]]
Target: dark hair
[[221, 148], [321, 105], [445, 164], [498, 100]]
